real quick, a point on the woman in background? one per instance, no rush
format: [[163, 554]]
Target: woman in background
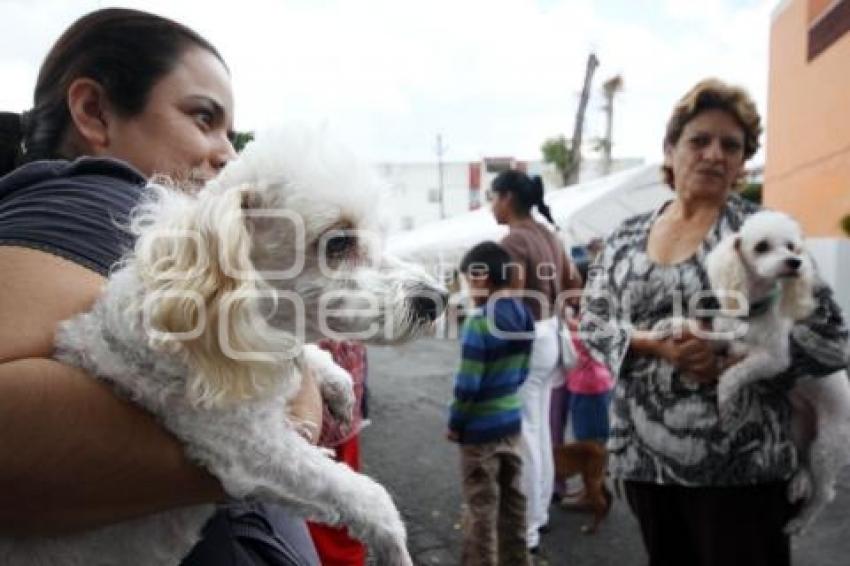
[[542, 273]]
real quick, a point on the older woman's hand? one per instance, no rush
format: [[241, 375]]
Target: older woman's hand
[[695, 358]]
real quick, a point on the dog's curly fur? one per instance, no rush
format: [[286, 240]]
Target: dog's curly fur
[[202, 326], [764, 258]]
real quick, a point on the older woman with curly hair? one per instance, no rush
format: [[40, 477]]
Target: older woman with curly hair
[[703, 494]]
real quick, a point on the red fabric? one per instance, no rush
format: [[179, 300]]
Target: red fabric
[[333, 544]]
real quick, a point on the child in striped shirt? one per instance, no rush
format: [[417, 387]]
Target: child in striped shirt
[[485, 414]]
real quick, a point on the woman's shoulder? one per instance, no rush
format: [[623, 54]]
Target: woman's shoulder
[[78, 210], [91, 171]]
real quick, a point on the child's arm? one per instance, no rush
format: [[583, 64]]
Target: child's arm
[[469, 375]]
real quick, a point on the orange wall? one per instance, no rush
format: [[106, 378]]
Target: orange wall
[[816, 8], [807, 168]]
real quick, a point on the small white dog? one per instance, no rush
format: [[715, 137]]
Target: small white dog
[[203, 326], [764, 280]]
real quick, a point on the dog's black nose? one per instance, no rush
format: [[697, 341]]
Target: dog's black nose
[[793, 263], [430, 304]]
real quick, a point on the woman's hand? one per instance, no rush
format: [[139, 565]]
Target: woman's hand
[[694, 357], [305, 409]]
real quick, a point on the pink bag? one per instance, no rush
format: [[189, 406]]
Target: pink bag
[[589, 377]]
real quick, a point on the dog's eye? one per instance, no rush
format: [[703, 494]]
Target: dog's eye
[[762, 247], [340, 245], [791, 246]]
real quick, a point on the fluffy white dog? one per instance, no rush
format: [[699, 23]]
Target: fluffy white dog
[[764, 280], [203, 326]]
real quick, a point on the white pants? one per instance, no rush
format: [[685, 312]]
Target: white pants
[[538, 468]]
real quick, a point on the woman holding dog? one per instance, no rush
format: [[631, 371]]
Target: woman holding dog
[[542, 273], [121, 96], [703, 494]]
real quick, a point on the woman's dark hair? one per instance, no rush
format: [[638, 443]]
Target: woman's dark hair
[[490, 259], [527, 192], [126, 51]]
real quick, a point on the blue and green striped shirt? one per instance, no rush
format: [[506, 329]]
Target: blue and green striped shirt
[[495, 352]]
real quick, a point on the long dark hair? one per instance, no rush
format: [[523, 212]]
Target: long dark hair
[[125, 51], [527, 192]]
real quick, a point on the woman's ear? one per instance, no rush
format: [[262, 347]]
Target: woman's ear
[[668, 154], [87, 105]]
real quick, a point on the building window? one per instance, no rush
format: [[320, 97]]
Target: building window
[[498, 164], [828, 21]]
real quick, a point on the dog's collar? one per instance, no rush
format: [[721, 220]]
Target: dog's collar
[[761, 306]]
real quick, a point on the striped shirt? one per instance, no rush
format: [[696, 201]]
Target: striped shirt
[[495, 352]]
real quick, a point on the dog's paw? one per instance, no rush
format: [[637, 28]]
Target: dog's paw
[[727, 391], [335, 384], [800, 486], [340, 399], [392, 552]]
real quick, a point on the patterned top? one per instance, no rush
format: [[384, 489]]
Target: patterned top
[[664, 429], [494, 363]]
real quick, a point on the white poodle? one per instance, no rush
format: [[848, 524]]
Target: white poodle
[[203, 326], [764, 280]]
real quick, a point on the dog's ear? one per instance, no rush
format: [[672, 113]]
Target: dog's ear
[[798, 300], [727, 273], [203, 296]]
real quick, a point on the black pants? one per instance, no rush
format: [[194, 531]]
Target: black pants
[[712, 526]]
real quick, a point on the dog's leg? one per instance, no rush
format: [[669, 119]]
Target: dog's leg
[[334, 382], [268, 460], [758, 365], [829, 450]]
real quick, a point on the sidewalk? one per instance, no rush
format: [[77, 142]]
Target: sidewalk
[[404, 448]]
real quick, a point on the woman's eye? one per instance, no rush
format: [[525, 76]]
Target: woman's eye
[[699, 141], [732, 146], [205, 118]]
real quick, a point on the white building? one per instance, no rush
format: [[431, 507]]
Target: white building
[[414, 193]]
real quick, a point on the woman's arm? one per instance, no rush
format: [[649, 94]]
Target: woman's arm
[[73, 455]]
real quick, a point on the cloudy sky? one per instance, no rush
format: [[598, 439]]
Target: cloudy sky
[[494, 77]]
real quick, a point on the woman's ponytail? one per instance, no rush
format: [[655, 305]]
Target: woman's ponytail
[[536, 184], [528, 191], [11, 141]]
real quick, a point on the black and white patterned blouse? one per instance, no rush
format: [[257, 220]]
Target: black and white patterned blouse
[[665, 429]]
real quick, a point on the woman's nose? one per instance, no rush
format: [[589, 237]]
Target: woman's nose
[[714, 150], [223, 153]]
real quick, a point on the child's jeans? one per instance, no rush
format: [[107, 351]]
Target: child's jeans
[[495, 504]]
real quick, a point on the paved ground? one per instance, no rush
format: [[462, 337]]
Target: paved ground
[[410, 388]]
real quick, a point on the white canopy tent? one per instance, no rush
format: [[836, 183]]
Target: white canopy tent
[[584, 211]]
